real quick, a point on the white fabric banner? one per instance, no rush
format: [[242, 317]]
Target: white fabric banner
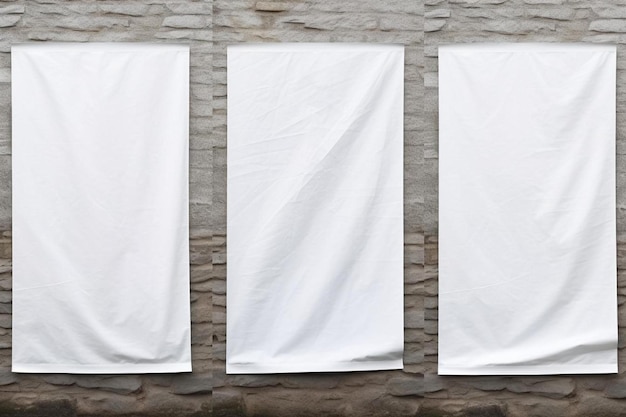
[[315, 224], [100, 208], [527, 226]]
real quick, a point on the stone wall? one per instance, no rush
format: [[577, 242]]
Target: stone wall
[[208, 26]]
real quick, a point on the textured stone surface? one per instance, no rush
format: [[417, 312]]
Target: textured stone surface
[[186, 21], [616, 389], [611, 26], [208, 26], [116, 384], [192, 384], [401, 386], [485, 411], [272, 6]]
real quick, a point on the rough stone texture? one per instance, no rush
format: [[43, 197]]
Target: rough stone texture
[[192, 384], [272, 6], [208, 26], [186, 21]]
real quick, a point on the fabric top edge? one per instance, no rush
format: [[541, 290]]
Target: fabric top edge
[[307, 46], [98, 45], [528, 46]]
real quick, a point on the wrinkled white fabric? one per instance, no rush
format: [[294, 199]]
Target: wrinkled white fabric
[[527, 230], [100, 208], [315, 226]]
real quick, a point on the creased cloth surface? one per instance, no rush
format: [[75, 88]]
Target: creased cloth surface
[[100, 208], [527, 250], [315, 227]]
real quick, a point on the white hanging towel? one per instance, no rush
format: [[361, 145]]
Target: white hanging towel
[[315, 226], [100, 208], [527, 250]]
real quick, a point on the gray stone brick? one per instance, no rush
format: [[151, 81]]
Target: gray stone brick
[[402, 22], [497, 14], [228, 403], [616, 389], [272, 6], [5, 283], [491, 410], [364, 6], [12, 9], [100, 403], [59, 379], [431, 79], [594, 406], [518, 27], [593, 382], [612, 25], [244, 21], [90, 23], [413, 319], [126, 8], [219, 317], [71, 8], [219, 287], [200, 313], [332, 22], [47, 35], [118, 384], [431, 327], [7, 377], [201, 287], [609, 12], [437, 13], [434, 25], [405, 386], [544, 1], [555, 388], [192, 384], [254, 381], [311, 381], [554, 14], [185, 35], [434, 383], [476, 3], [5, 321], [187, 8], [413, 357], [536, 407], [9, 20], [487, 383], [186, 22]]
